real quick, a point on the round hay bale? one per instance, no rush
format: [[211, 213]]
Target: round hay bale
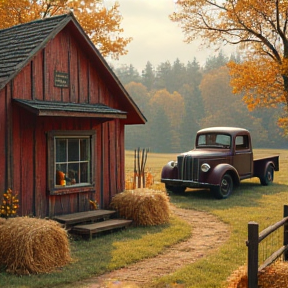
[[273, 276], [32, 246], [2, 220], [145, 207], [239, 278]]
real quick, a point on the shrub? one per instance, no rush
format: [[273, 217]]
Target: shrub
[[144, 206], [31, 246], [10, 204]]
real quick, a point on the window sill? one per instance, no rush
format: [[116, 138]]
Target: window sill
[[70, 189]]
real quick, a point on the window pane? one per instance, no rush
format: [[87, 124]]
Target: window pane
[[84, 173], [202, 140], [60, 174], [223, 139], [84, 149], [60, 150], [73, 173], [73, 150]]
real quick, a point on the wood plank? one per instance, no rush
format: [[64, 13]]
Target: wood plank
[[3, 142], [84, 216], [90, 229]]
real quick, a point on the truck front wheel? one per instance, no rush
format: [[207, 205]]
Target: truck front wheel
[[175, 189], [225, 188], [268, 177]]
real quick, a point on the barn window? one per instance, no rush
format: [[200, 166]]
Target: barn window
[[70, 160]]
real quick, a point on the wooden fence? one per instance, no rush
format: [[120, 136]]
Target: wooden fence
[[254, 238]]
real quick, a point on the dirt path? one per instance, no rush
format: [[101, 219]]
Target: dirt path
[[208, 233]]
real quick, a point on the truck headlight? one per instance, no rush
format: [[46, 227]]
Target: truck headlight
[[173, 163], [205, 167]]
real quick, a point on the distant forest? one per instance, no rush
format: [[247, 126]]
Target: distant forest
[[178, 100]]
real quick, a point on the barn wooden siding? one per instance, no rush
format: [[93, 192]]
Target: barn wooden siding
[[23, 138]]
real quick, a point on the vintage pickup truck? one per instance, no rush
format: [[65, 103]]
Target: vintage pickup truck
[[221, 158]]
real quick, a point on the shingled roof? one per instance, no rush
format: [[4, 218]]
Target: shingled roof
[[19, 43], [52, 108]]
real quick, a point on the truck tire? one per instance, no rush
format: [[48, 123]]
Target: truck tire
[[268, 177], [175, 189], [225, 188]]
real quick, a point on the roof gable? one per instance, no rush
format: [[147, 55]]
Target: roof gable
[[20, 43]]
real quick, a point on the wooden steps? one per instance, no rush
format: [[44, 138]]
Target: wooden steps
[[91, 222], [90, 229], [87, 216]]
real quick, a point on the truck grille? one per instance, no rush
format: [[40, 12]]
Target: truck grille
[[188, 168]]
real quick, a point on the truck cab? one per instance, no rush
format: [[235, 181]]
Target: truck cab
[[221, 158]]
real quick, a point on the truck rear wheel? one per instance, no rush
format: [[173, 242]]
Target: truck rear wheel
[[225, 188], [175, 189], [268, 177]]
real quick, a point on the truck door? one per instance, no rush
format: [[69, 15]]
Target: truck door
[[243, 156]]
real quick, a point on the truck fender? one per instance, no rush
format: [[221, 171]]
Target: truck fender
[[170, 171], [218, 172], [267, 165], [268, 175], [261, 166]]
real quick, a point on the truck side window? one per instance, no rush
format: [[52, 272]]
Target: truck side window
[[242, 142]]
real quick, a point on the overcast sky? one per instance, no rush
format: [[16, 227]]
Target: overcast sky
[[155, 37]]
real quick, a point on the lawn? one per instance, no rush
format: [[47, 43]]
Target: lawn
[[249, 202]]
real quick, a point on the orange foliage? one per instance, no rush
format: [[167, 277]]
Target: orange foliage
[[260, 81], [258, 28], [101, 24], [10, 204], [173, 105]]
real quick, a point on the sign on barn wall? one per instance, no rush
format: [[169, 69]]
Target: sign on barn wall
[[61, 79]]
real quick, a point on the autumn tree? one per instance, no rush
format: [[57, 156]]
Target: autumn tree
[[127, 74], [148, 76], [193, 104], [101, 24], [214, 62], [172, 105], [139, 135], [163, 76], [259, 29]]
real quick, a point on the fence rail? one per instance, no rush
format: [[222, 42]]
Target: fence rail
[[254, 238]]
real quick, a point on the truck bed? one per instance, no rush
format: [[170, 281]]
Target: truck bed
[[260, 164]]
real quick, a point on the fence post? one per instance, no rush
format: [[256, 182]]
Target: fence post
[[285, 231], [252, 243]]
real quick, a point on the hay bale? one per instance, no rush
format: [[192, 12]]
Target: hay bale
[[273, 276], [144, 206], [239, 278], [2, 221], [32, 246]]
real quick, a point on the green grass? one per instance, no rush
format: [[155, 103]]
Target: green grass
[[250, 202], [105, 253]]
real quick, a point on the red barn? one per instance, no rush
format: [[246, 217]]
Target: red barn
[[62, 119]]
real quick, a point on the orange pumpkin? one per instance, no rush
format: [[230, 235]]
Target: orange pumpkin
[[60, 178]]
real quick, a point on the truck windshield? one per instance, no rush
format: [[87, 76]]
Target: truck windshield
[[214, 140]]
